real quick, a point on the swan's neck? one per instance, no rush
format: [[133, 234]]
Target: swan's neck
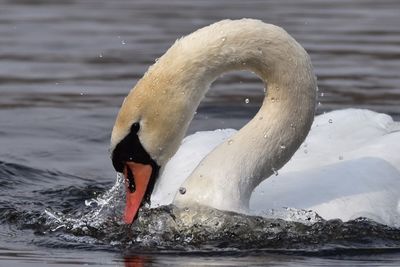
[[228, 175]]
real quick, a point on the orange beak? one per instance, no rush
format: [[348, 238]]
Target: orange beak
[[137, 177]]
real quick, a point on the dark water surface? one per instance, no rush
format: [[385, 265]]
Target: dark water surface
[[65, 67]]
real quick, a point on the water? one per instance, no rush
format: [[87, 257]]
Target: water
[[67, 65]]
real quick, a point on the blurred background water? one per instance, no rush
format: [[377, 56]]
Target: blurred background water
[[65, 67]]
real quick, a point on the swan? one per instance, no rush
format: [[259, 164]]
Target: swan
[[155, 115]]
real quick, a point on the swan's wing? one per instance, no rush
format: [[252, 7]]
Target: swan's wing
[[347, 134], [348, 166], [193, 149]]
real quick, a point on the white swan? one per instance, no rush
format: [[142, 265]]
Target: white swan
[[155, 115]]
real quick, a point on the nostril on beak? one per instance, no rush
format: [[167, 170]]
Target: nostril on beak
[[130, 180]]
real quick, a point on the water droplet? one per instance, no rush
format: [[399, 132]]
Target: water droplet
[[305, 145], [319, 104], [81, 93], [260, 118], [182, 190], [340, 157], [247, 101], [282, 146], [230, 141], [322, 94], [330, 120], [123, 42], [260, 51], [275, 171], [292, 125], [155, 60], [223, 39], [305, 151], [244, 63], [265, 135], [101, 55], [265, 89]]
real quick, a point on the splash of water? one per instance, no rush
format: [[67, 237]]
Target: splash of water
[[99, 211]]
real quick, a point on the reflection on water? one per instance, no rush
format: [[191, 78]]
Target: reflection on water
[[67, 65]]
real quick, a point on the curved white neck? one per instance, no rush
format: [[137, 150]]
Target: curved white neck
[[181, 77], [226, 178]]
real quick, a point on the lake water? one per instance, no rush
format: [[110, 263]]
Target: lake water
[[65, 67]]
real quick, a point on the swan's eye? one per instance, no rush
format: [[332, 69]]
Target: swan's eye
[[135, 127]]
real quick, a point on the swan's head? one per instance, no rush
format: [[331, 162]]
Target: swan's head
[[146, 134]]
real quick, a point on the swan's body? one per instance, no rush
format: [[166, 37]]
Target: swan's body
[[345, 169], [155, 115]]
